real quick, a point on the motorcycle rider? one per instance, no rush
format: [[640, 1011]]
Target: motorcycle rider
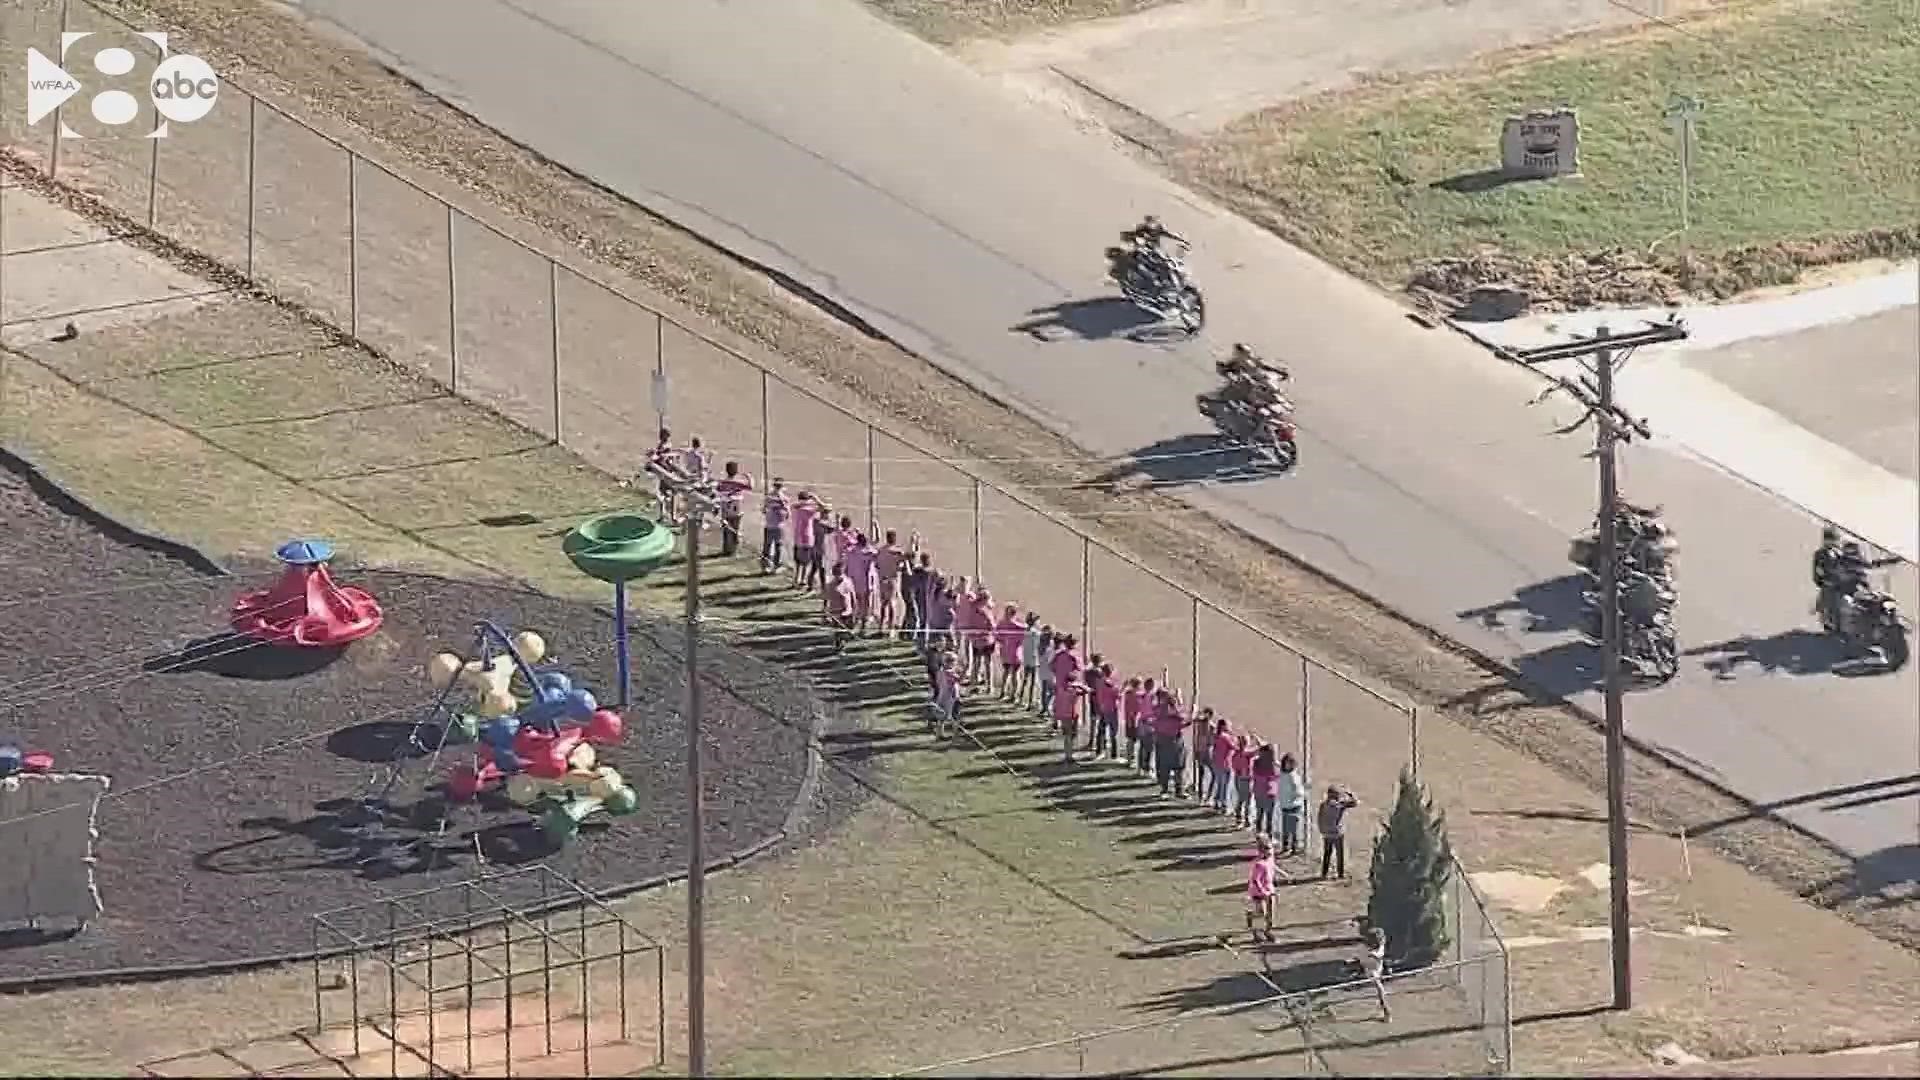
[[1142, 250], [1827, 571]]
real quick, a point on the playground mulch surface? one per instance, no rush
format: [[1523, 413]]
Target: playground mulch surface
[[238, 780]]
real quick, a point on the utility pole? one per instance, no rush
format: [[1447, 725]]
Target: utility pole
[[698, 504], [1612, 425]]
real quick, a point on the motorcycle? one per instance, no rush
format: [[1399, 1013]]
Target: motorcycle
[[1870, 624], [1267, 431], [1157, 283], [1652, 651]]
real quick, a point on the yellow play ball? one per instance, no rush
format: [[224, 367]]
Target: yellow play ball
[[495, 703], [605, 784], [442, 669], [522, 789], [531, 647]]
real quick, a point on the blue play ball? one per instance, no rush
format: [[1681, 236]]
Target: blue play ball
[[553, 684]]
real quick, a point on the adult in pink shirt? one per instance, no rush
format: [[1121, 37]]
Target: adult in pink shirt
[[844, 537], [888, 560], [860, 559], [1008, 634], [1168, 747]]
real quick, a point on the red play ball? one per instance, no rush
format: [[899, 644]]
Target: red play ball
[[36, 762], [463, 783], [605, 726]]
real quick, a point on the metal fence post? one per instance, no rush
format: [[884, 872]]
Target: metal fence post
[[453, 308], [553, 341], [1413, 738], [53, 159], [1306, 748], [660, 371], [1086, 593], [353, 244], [1193, 647], [766, 425], [977, 560], [873, 493], [253, 175], [153, 181]]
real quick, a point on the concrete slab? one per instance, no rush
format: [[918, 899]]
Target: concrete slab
[[1856, 383], [1813, 396], [96, 284], [25, 225], [1197, 66]]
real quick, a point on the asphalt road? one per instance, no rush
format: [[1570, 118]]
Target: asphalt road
[[810, 137]]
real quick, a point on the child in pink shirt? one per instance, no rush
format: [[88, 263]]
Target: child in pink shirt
[[1132, 702], [837, 595], [1008, 635], [805, 510], [1261, 875], [980, 636], [1242, 766], [1066, 713], [1221, 756], [1106, 711]]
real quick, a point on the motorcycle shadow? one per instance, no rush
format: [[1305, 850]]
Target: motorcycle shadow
[[1185, 459], [1791, 652], [1102, 318]]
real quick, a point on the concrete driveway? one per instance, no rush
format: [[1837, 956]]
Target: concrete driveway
[[811, 137]]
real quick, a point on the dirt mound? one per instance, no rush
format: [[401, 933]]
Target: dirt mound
[[1619, 277]]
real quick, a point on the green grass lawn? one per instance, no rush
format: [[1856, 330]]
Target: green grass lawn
[[948, 22], [1808, 134]]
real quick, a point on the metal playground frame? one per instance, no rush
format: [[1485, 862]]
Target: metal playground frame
[[527, 942]]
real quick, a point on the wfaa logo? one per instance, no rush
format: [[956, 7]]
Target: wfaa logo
[[179, 89]]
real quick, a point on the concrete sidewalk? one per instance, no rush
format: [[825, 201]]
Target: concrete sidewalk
[[881, 173]]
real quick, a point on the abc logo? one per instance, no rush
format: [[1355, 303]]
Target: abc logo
[[184, 88]]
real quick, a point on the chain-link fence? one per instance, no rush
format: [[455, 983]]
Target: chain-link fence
[[579, 361], [549, 346]]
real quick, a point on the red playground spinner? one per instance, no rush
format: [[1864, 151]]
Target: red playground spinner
[[306, 608]]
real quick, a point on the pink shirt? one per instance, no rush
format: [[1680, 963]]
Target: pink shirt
[[886, 562], [980, 619], [860, 567], [1065, 666], [1266, 779], [1167, 721], [840, 597], [1106, 697], [803, 515], [842, 545], [1243, 762], [733, 492], [1223, 747], [1260, 876], [1008, 635], [1131, 703], [1066, 703]]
